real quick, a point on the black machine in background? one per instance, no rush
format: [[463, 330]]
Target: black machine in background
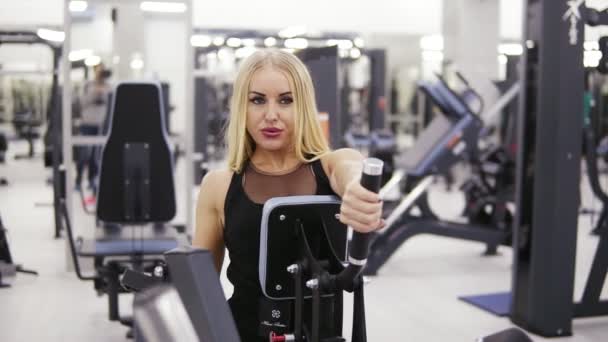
[[364, 130], [8, 269], [548, 177], [451, 137], [26, 122], [550, 145], [324, 65], [136, 195], [211, 102], [3, 149]]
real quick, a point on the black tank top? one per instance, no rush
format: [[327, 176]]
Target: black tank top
[[242, 239]]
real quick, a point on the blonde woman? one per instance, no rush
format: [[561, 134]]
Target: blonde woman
[[275, 148]]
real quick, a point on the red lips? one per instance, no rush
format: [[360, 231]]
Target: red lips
[[271, 132]]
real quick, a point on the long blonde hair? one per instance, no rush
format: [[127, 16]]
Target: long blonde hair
[[310, 143]]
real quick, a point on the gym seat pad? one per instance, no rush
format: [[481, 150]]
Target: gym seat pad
[[137, 116]]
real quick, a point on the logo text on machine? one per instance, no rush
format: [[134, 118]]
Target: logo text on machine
[[573, 14]]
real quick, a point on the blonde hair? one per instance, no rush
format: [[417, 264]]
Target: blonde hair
[[310, 143]]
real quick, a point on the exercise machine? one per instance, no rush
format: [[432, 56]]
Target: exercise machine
[[3, 149], [450, 138], [309, 277], [8, 269], [550, 130], [136, 194]]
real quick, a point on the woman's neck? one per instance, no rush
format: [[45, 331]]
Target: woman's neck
[[274, 161]]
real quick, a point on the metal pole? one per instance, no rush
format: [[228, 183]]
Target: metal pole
[[67, 120], [189, 131]]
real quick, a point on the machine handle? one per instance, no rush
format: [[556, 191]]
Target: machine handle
[[371, 180]]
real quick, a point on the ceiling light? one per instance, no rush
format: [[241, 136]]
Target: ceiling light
[[78, 6], [51, 35], [292, 31], [359, 42], [200, 40], [218, 41], [233, 42], [137, 64], [296, 43], [270, 41], [248, 42], [245, 51]]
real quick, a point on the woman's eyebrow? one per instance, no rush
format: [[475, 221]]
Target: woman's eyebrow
[[257, 93]]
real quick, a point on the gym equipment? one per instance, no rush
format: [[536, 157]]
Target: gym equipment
[[191, 308], [136, 189], [549, 144], [323, 64], [450, 138], [27, 37], [593, 152], [508, 335], [26, 125], [8, 270], [25, 122], [314, 266], [306, 232], [212, 112], [3, 148]]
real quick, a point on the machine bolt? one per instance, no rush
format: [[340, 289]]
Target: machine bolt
[[293, 269], [159, 271], [278, 287], [313, 284], [282, 217], [337, 216]]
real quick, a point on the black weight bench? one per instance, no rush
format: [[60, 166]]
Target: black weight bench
[[136, 194]]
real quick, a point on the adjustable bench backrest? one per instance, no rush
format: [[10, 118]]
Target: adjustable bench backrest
[[136, 179], [449, 138]]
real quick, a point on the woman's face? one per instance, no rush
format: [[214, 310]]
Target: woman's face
[[270, 110]]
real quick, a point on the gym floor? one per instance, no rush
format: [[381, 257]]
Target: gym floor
[[414, 298]]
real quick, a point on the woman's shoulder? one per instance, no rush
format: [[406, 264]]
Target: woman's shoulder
[[217, 178], [216, 183]]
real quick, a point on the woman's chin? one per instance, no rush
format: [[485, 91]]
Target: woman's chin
[[271, 145]]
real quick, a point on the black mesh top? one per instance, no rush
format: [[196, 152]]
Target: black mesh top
[[243, 215]]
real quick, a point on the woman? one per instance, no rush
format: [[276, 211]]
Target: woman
[[275, 148]]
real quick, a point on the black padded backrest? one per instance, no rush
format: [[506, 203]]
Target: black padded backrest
[[137, 119]]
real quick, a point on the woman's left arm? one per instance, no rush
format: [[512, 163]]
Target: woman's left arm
[[361, 209]]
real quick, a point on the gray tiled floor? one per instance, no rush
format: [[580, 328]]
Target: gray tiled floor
[[413, 298]]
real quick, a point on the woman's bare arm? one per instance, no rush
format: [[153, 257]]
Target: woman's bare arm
[[209, 231]]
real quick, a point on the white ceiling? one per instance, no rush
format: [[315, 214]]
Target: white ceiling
[[365, 16]]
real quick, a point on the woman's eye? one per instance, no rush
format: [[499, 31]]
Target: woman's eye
[[257, 100], [286, 100]]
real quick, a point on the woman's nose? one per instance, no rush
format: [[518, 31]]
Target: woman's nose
[[272, 111]]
